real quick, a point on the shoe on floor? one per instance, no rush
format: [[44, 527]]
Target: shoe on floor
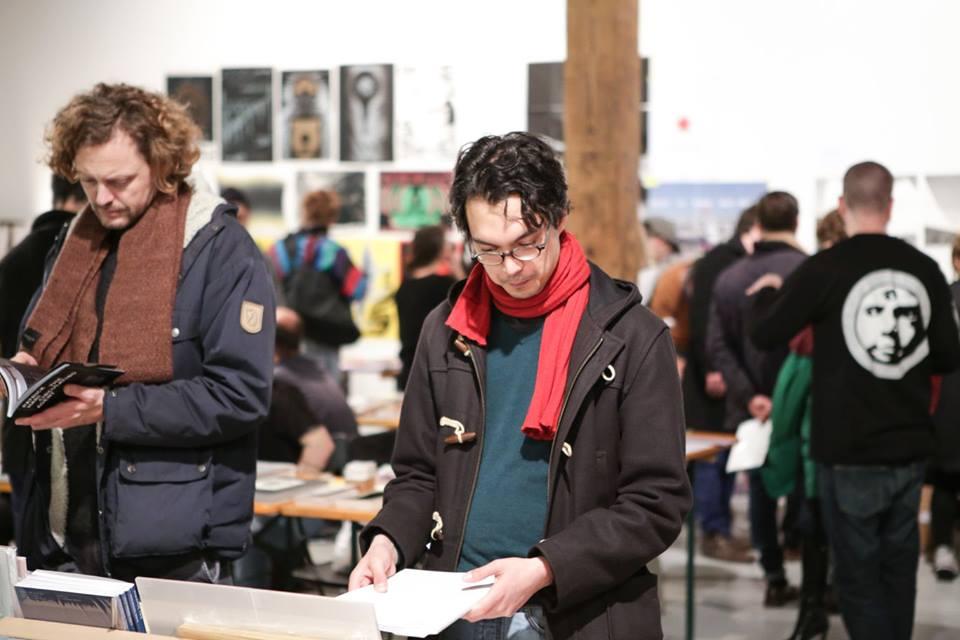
[[945, 563], [720, 547], [780, 593]]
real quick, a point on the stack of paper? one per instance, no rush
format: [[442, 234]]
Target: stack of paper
[[74, 598], [421, 603]]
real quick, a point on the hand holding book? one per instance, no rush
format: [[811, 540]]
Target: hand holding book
[[68, 395], [84, 405]]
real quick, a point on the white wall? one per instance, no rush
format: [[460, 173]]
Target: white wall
[[52, 49], [787, 92]]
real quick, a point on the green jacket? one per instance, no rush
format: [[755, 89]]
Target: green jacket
[[790, 440]]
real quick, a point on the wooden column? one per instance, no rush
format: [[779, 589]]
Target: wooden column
[[601, 128]]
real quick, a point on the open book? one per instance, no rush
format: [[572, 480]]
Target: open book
[[30, 389]]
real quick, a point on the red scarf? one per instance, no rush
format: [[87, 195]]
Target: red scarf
[[563, 301]]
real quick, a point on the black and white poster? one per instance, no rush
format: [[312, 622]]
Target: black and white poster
[[247, 122], [885, 320], [425, 114], [305, 114], [545, 102], [349, 185], [366, 113], [196, 93]]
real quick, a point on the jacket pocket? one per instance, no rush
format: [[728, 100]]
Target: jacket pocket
[[633, 611], [163, 502]]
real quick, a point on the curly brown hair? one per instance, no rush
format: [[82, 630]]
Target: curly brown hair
[[321, 208], [161, 128]]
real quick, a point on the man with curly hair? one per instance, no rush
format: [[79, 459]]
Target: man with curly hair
[[541, 436], [153, 476]]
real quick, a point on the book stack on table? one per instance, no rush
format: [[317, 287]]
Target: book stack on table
[[74, 598]]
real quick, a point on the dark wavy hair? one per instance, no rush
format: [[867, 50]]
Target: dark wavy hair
[[518, 163], [160, 127]]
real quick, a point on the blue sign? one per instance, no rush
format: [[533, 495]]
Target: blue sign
[[705, 213]]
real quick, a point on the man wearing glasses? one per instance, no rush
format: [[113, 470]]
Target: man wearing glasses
[[541, 437]]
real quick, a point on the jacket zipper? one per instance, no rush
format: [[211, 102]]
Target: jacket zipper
[[476, 470], [553, 448]]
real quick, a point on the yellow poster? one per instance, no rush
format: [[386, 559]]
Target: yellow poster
[[381, 259]]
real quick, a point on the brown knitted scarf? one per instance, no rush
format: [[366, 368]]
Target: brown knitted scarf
[[138, 315]]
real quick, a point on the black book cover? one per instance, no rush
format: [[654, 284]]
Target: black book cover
[[30, 389]]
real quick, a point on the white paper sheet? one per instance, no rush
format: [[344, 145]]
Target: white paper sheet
[[420, 603], [750, 451]]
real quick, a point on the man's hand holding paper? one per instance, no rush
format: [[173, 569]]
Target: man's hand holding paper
[[377, 564]]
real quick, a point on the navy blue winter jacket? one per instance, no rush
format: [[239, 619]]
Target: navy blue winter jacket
[[176, 462]]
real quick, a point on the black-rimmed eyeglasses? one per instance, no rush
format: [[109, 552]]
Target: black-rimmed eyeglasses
[[524, 253]]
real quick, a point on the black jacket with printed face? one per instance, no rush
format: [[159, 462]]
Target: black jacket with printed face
[[176, 461], [883, 322], [618, 489]]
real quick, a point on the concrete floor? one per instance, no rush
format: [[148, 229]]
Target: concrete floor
[[729, 600]]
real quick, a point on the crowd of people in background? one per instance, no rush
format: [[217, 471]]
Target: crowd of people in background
[[849, 355]]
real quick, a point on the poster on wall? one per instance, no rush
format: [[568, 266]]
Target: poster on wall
[[381, 260], [196, 93], [425, 114], [545, 102], [348, 185], [412, 200], [247, 115], [265, 192], [704, 213], [305, 114], [366, 113]]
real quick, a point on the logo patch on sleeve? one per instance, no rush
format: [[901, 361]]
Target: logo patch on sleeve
[[251, 317]]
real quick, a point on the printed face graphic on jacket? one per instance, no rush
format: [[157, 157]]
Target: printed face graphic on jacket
[[885, 319], [889, 324]]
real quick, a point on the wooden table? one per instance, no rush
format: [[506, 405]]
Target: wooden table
[[384, 414], [43, 630], [344, 510]]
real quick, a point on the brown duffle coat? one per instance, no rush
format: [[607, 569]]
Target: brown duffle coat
[[618, 488]]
